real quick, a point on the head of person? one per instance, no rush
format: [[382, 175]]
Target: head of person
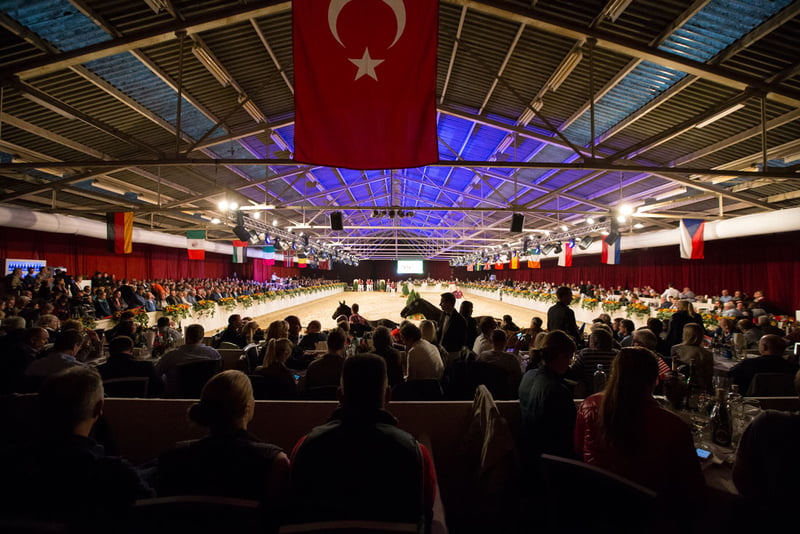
[[354, 308], [745, 325], [771, 344], [226, 403], [336, 340], [447, 302], [314, 327], [163, 322], [294, 325], [634, 374], [410, 334], [728, 305], [536, 324], [655, 325], [36, 338], [644, 337], [564, 295], [126, 328], [235, 322], [249, 330], [49, 321], [557, 351], [278, 351], [428, 330], [487, 325], [685, 305], [120, 345], [381, 338], [600, 339], [499, 339], [617, 323], [693, 334], [194, 334], [364, 383], [606, 318], [466, 308], [626, 327], [277, 330], [71, 401], [68, 342], [726, 323]]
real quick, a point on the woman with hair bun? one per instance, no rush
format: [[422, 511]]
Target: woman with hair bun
[[229, 462]]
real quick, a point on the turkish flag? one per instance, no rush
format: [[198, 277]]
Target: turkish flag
[[365, 82]]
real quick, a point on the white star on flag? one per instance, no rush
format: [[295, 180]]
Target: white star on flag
[[366, 65]]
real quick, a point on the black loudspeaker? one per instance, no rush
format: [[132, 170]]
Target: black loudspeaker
[[612, 236], [516, 222], [336, 221], [241, 233]]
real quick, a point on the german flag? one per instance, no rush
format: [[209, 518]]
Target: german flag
[[119, 230]]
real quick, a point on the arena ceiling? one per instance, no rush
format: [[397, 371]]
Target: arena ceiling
[[695, 114]]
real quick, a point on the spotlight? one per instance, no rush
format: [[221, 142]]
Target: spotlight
[[256, 215], [375, 214], [621, 218], [254, 238], [558, 248], [401, 213], [547, 249], [305, 240], [564, 227], [274, 222], [589, 220], [586, 242], [277, 243], [391, 214], [215, 221], [223, 205], [233, 206], [638, 226]]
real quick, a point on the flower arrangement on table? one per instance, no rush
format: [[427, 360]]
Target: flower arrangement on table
[[610, 306], [245, 300], [89, 323], [176, 312], [710, 320], [639, 309], [575, 300], [662, 314], [417, 283], [140, 317], [229, 303], [590, 304], [204, 308]]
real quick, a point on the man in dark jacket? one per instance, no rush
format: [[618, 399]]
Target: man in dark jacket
[[561, 317], [452, 326], [122, 364]]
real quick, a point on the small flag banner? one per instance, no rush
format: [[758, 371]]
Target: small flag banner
[[478, 266], [565, 258], [610, 253], [498, 265], [119, 230], [302, 260], [287, 258], [533, 262], [514, 261], [470, 267], [195, 244], [692, 244], [240, 252], [487, 266], [269, 254]]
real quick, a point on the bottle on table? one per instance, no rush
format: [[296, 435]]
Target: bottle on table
[[675, 386], [720, 420], [736, 408], [599, 379], [693, 389]]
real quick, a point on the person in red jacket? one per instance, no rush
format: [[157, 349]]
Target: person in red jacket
[[624, 430]]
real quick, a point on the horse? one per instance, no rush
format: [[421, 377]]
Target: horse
[[345, 310], [416, 305]]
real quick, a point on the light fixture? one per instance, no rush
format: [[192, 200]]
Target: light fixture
[[564, 227], [274, 222], [558, 248], [604, 232], [254, 239], [223, 205], [256, 215], [589, 220], [586, 242], [215, 221], [718, 116], [791, 157], [233, 206], [621, 218], [210, 62], [615, 8], [504, 144], [251, 109], [626, 209], [564, 69], [529, 113], [638, 226], [157, 5], [571, 243]]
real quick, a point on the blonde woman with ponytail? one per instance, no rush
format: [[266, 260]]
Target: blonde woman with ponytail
[[229, 462], [279, 380]]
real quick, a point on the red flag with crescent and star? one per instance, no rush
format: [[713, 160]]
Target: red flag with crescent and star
[[365, 82]]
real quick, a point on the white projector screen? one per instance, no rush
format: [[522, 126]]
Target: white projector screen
[[409, 267]]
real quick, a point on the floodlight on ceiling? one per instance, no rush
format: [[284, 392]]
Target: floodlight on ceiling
[[211, 64], [250, 107], [157, 5], [504, 144], [564, 69], [215, 221], [718, 116], [564, 227], [254, 239], [638, 226], [615, 8], [586, 242], [547, 249], [558, 248], [530, 112], [589, 220]]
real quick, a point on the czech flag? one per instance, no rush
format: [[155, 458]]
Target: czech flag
[[692, 244], [610, 254]]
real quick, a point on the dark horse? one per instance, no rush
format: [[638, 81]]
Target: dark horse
[[416, 305], [345, 310]]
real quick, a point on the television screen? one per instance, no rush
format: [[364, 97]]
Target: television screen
[[409, 267]]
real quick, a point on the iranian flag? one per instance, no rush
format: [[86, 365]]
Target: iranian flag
[[195, 244]]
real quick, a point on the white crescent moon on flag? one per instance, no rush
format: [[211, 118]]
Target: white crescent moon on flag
[[397, 6]]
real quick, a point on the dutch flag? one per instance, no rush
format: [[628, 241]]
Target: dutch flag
[[692, 239], [610, 254]]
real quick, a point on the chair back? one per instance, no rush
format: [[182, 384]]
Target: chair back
[[232, 359], [320, 393], [195, 514], [772, 385], [225, 345], [193, 375], [427, 389], [271, 388], [126, 387], [616, 504]]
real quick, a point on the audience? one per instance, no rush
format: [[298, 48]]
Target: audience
[[281, 382], [771, 348], [483, 342], [326, 371], [423, 360], [691, 352], [382, 342], [192, 350], [62, 356], [508, 362], [122, 364], [599, 352]]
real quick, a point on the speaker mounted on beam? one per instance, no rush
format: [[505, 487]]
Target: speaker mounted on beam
[[241, 232], [516, 222], [336, 221]]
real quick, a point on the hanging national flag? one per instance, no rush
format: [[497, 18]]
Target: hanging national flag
[[119, 230], [533, 262], [565, 258], [365, 83], [470, 267], [610, 254], [692, 244], [240, 252], [498, 265], [302, 260], [269, 254], [514, 261], [287, 258], [195, 244], [478, 266]]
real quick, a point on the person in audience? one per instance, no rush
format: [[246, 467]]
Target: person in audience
[[116, 302], [771, 348], [767, 467], [561, 317], [331, 477], [193, 349], [484, 342], [428, 330], [760, 302], [626, 329], [547, 410], [691, 351], [534, 329], [452, 326], [313, 336], [729, 310], [294, 328], [64, 476], [684, 315], [423, 360], [355, 317], [382, 341], [229, 461], [101, 307], [14, 359], [277, 330], [657, 328], [62, 356], [687, 294], [327, 369], [122, 364], [751, 332], [724, 332], [765, 326], [624, 430], [643, 337], [282, 384], [233, 333], [169, 336], [509, 325], [582, 369], [509, 363], [466, 310], [252, 333]]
